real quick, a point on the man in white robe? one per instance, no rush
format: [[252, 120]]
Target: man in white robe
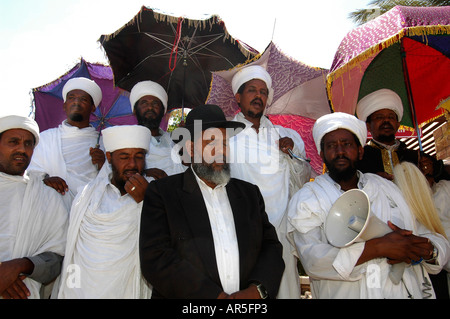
[[71, 154], [148, 101], [102, 255], [359, 270], [33, 218], [256, 158]]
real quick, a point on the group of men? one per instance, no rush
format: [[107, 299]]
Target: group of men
[[232, 220]]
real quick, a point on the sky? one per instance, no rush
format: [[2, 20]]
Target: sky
[[42, 40]]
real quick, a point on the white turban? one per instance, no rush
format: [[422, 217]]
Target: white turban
[[126, 136], [148, 88], [378, 100], [86, 85], [20, 122], [249, 73], [331, 122]]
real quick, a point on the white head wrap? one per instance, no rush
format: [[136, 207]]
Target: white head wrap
[[126, 136], [148, 88], [20, 122], [249, 73], [378, 100], [331, 122], [86, 85]]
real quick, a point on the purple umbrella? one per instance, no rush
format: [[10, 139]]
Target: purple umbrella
[[114, 109]]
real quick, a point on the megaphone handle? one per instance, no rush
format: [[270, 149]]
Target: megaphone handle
[[396, 273]]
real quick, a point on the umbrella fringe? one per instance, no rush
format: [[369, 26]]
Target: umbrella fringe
[[256, 57], [423, 31]]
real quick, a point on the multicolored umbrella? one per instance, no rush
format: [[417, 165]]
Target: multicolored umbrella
[[299, 95], [177, 52], [407, 50], [114, 108]]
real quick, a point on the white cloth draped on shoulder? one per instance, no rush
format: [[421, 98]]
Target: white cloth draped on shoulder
[[64, 152], [102, 242], [33, 220]]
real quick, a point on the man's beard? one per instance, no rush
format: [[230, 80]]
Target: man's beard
[[207, 172], [385, 139], [119, 179], [149, 122], [341, 175], [76, 117]]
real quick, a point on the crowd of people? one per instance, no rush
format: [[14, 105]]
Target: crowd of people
[[219, 209]]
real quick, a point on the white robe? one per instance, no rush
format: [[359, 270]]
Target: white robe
[[256, 158], [64, 152], [441, 196], [103, 244], [163, 155], [332, 270], [33, 220]]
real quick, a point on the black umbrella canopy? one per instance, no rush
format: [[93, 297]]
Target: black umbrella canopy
[[177, 52]]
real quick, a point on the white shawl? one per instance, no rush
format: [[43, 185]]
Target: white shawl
[[103, 246], [49, 158], [39, 217]]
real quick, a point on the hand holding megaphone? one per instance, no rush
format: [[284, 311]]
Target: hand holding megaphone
[[350, 221]]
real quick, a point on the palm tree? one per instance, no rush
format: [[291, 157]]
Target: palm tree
[[362, 16]]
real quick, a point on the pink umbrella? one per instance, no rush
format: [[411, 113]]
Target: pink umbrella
[[299, 95]]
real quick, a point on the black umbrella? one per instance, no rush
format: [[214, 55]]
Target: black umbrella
[[178, 53]]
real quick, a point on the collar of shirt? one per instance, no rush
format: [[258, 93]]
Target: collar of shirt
[[203, 185], [264, 122], [362, 180], [388, 147]]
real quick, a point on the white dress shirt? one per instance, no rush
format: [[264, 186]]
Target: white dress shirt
[[224, 234]]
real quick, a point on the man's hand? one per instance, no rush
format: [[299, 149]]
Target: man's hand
[[248, 293], [286, 143], [136, 187], [398, 246], [57, 183], [406, 247], [11, 282], [98, 157]]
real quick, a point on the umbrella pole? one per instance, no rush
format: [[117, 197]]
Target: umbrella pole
[[184, 85], [410, 97]]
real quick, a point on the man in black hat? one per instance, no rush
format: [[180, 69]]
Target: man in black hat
[[204, 234]]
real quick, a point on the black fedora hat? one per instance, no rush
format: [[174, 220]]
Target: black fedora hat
[[207, 116]]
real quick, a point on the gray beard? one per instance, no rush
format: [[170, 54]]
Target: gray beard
[[206, 172]]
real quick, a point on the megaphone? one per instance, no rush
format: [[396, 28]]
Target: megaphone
[[350, 221]]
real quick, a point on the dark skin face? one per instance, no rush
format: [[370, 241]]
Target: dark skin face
[[253, 101], [16, 149], [383, 125], [340, 152], [128, 166], [149, 112], [78, 108]]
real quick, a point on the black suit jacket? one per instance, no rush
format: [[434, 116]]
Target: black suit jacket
[[372, 161], [176, 244]]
